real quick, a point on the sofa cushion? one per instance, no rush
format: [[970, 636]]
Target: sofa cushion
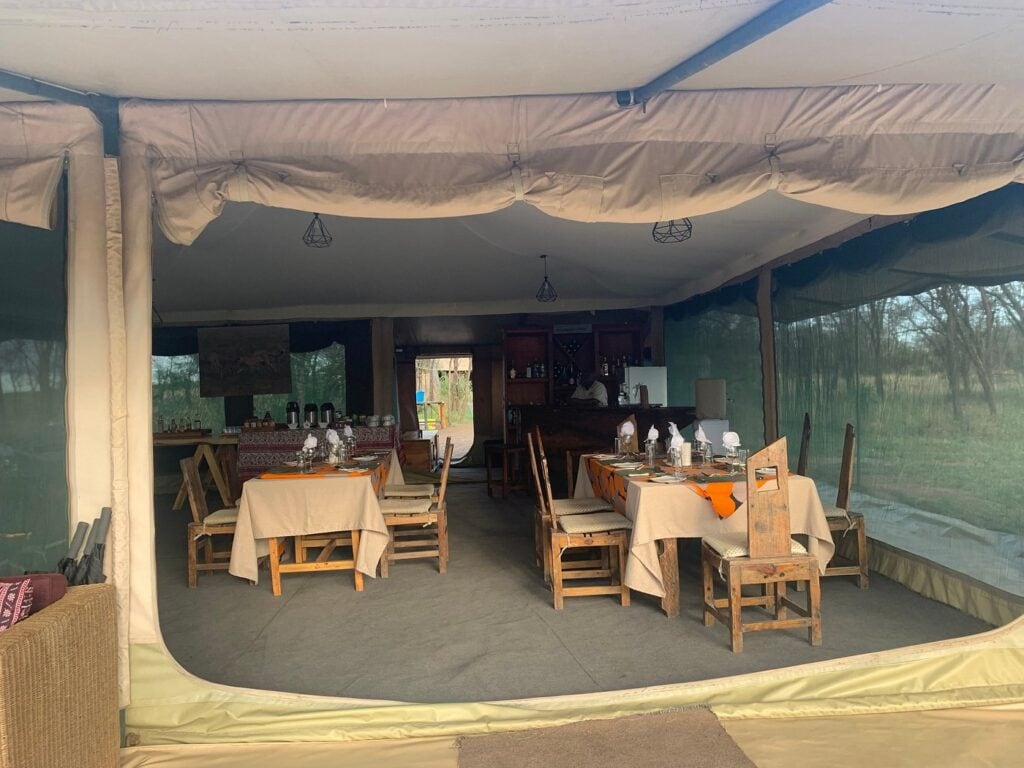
[[47, 588], [15, 602]]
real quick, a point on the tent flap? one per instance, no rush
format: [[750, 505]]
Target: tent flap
[[871, 150], [35, 138]]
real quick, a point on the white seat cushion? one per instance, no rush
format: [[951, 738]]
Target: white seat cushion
[[730, 545], [222, 516], [581, 506], [834, 511], [405, 506], [594, 523], [411, 491]]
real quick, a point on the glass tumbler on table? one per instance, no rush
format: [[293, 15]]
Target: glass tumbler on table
[[651, 451]]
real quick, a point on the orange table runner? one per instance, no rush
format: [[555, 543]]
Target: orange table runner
[[377, 471], [611, 483]]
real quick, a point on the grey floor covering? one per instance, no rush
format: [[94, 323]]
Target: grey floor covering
[[486, 630]]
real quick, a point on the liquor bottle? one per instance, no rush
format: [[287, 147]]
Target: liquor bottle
[[604, 366]]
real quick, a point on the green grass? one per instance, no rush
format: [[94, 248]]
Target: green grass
[[912, 450]]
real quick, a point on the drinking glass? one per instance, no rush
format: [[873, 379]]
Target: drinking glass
[[741, 459], [651, 447]]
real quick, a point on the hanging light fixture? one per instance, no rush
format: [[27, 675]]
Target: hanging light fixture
[[546, 292], [317, 235], [672, 231]]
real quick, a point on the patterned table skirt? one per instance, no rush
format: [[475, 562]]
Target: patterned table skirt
[[259, 451]]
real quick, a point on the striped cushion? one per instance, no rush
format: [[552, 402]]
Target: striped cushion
[[580, 506], [405, 506], [735, 545], [411, 491], [594, 523], [222, 516]]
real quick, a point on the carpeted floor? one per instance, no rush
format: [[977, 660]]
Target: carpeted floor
[[486, 630]]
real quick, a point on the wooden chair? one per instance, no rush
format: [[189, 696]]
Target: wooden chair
[[841, 521], [205, 525], [805, 445], [415, 490], [766, 556], [569, 506], [418, 528], [603, 530]]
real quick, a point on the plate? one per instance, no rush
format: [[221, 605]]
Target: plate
[[293, 426], [667, 479], [291, 463], [364, 458], [627, 465]]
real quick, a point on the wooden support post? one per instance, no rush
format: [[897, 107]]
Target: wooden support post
[[769, 384]]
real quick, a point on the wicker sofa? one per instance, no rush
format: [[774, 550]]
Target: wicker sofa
[[58, 685]]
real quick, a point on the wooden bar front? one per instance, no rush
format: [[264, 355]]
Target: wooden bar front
[[577, 428]]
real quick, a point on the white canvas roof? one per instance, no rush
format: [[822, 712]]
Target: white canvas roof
[[266, 51]]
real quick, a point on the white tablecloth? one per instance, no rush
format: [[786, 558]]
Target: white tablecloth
[[285, 507], [675, 511]]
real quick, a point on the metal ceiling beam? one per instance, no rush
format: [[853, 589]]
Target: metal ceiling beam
[[104, 107], [776, 17]]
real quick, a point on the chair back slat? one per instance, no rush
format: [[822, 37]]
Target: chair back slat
[[539, 441], [805, 445], [570, 481], [768, 526], [448, 449], [194, 489], [846, 468], [537, 488], [549, 499], [227, 460]]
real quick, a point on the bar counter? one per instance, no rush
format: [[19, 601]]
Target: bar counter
[[580, 428]]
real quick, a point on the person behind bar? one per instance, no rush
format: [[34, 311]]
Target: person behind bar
[[590, 391]]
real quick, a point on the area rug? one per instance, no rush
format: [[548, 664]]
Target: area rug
[[683, 738]]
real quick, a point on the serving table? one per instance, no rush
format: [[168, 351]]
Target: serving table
[[663, 513], [283, 503], [259, 451]]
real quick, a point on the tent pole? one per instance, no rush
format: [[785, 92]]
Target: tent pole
[[769, 381], [104, 107], [762, 25]]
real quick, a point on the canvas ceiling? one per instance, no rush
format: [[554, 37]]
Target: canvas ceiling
[[379, 49], [372, 49]]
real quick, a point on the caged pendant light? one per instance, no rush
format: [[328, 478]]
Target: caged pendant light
[[546, 292], [672, 231], [317, 235]]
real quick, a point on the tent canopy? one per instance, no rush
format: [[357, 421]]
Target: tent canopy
[[727, 157]]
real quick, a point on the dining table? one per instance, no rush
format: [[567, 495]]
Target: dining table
[[291, 501], [666, 504]]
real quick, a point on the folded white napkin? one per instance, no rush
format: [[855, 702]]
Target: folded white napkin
[[626, 429], [348, 431], [731, 440], [699, 435], [332, 437], [652, 433], [676, 441], [310, 443]]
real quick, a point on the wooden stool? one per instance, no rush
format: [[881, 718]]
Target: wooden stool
[[512, 477]]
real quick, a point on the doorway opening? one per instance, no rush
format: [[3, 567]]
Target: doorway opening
[[444, 402]]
